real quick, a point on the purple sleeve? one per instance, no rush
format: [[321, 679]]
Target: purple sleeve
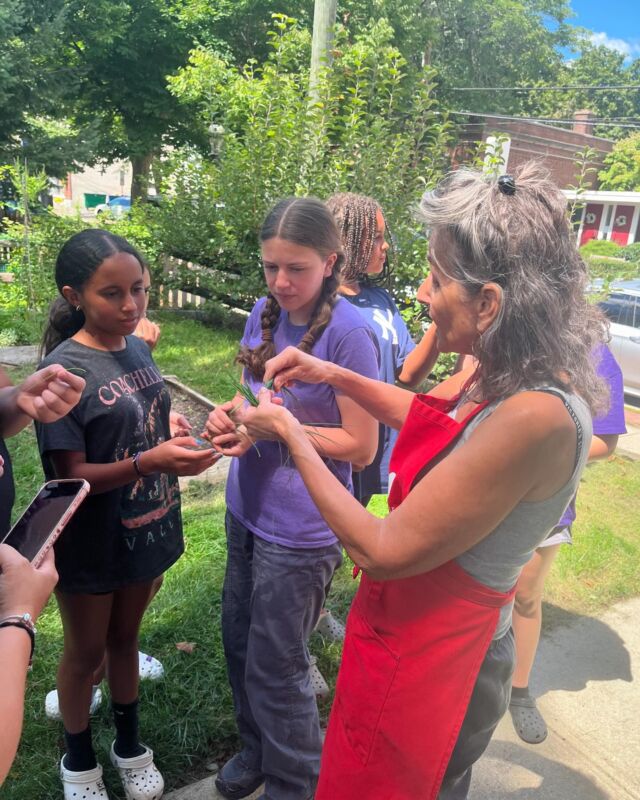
[[612, 422]]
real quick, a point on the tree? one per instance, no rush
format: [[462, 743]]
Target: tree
[[593, 66], [499, 44], [622, 171]]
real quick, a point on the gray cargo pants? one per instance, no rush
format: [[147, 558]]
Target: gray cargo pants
[[488, 704], [271, 601]]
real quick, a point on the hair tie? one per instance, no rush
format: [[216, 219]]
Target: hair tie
[[507, 184], [267, 335]]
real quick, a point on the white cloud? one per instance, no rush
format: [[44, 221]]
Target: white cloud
[[629, 49]]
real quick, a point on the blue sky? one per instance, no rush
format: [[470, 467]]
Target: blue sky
[[616, 23]]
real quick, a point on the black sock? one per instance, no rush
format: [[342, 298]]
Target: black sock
[[80, 755], [125, 716], [520, 692]]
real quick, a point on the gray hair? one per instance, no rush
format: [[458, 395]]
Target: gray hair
[[546, 331]]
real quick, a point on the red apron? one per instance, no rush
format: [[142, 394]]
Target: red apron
[[412, 653]]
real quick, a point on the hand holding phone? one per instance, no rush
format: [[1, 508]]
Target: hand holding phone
[[44, 519], [23, 588]]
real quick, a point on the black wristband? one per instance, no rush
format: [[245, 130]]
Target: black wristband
[[25, 622]]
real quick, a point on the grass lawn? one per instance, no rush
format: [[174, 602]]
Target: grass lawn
[[187, 717]]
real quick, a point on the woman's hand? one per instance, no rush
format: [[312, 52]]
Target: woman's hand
[[269, 420], [24, 589], [294, 365], [179, 425], [178, 456], [49, 394]]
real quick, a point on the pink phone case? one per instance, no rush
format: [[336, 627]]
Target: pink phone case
[[48, 543]]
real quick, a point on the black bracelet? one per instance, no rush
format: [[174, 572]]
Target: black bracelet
[[135, 458], [25, 622]]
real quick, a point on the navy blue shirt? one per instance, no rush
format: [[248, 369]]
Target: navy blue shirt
[[395, 343]]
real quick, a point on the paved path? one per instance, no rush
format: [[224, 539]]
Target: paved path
[[585, 678]]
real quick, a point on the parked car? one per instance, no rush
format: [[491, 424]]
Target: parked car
[[622, 308], [116, 206]]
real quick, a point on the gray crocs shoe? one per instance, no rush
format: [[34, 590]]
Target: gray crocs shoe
[[527, 720]]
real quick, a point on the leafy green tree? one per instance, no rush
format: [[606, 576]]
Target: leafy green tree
[[594, 66], [503, 43], [622, 171]]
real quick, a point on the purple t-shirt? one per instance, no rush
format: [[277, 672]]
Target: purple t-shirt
[[265, 491], [610, 423]]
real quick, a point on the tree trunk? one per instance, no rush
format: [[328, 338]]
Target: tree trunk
[[324, 19], [140, 171]]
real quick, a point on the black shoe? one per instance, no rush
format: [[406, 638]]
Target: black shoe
[[235, 780]]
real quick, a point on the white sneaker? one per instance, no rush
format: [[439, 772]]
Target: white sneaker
[[149, 668], [330, 627], [52, 706], [140, 777], [318, 683], [86, 785]]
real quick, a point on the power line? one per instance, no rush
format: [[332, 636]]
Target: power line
[[543, 120], [622, 87]]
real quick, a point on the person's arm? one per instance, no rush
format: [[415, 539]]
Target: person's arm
[[386, 403], [355, 439], [45, 396], [421, 360], [525, 450], [172, 457], [23, 590], [602, 446]]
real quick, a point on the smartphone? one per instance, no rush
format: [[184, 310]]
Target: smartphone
[[45, 517]]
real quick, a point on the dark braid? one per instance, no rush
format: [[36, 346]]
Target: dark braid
[[355, 216], [307, 222]]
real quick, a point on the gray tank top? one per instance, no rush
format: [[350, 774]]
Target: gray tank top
[[497, 560]]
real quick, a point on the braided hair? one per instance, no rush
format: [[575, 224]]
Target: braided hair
[[307, 222], [355, 216]]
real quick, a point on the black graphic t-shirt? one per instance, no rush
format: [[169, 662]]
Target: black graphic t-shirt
[[132, 533]]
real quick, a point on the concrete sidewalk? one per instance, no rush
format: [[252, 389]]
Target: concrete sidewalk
[[584, 678]]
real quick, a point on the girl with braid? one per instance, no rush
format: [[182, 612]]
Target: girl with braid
[[281, 555], [365, 275]]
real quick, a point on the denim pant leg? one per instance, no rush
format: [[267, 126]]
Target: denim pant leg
[[236, 618], [289, 589], [488, 704]]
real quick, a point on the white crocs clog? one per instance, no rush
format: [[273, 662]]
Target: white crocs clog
[[140, 777], [86, 785], [149, 668], [52, 705]]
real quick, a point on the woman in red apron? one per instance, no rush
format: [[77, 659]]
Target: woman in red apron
[[483, 467]]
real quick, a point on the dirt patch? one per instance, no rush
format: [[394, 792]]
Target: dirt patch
[[194, 409]]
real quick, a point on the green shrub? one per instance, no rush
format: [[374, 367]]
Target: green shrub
[[600, 247], [631, 252], [374, 128]]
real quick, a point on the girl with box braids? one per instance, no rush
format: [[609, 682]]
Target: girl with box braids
[[365, 278]]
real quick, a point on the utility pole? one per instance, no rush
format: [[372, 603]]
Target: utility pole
[[324, 18]]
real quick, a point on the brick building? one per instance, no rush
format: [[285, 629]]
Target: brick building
[[557, 147]]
